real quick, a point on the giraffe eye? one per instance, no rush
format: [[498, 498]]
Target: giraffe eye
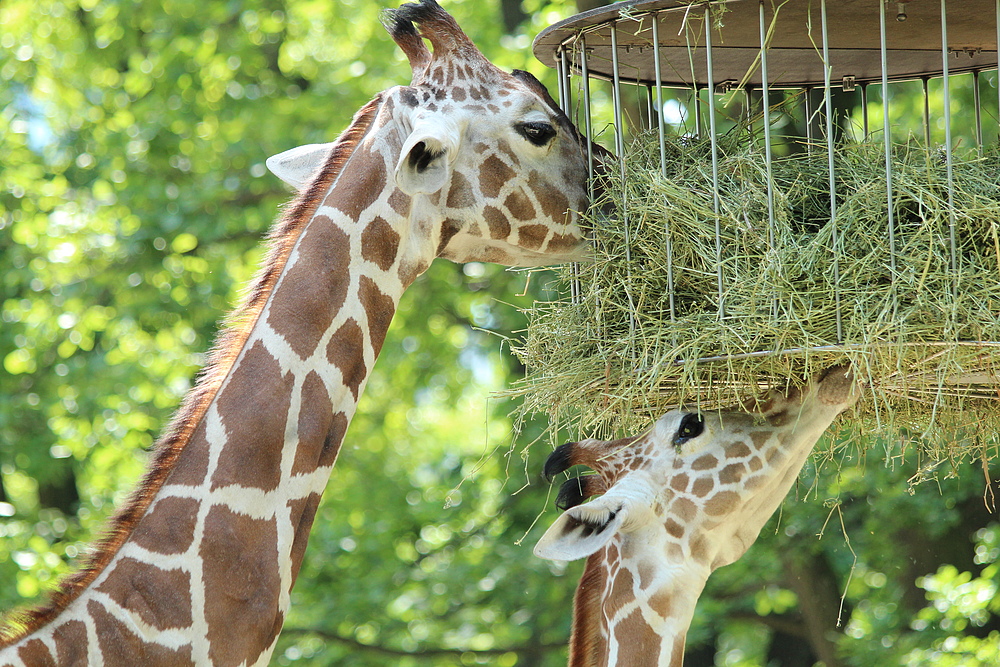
[[537, 132], [692, 425]]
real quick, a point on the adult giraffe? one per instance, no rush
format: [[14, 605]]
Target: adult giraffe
[[468, 163], [687, 497]]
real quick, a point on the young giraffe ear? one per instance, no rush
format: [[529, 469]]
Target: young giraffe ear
[[582, 530], [297, 165], [425, 162]]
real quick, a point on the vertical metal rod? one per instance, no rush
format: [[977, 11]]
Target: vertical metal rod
[[766, 104], [807, 101], [650, 111], [978, 103], [716, 203], [620, 148], [562, 68], [834, 240], [947, 145], [927, 112], [697, 111], [864, 106], [661, 138], [887, 138], [587, 117]]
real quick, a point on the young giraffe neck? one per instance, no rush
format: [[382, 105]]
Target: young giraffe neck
[[218, 529], [632, 613]]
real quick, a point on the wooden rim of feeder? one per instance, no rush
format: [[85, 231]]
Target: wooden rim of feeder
[[915, 45]]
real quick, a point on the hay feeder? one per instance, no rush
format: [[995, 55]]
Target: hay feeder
[[796, 183]]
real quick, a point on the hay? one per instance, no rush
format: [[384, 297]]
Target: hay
[[922, 336]]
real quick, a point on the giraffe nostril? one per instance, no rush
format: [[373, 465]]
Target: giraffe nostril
[[560, 460]]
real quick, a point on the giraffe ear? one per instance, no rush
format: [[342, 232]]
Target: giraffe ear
[[425, 162], [582, 530], [297, 165]]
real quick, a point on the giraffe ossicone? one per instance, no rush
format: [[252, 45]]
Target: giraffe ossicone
[[670, 506], [468, 163]]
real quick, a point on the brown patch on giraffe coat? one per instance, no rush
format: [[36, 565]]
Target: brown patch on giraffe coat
[[702, 486], [732, 473], [554, 203], [705, 462], [772, 454], [497, 222], [161, 598], [699, 549], [721, 503], [303, 512], [71, 644], [242, 579], [380, 309], [192, 462], [314, 287], [679, 482], [684, 509], [331, 446], [532, 236], [493, 175], [408, 271], [346, 351], [674, 529], [622, 588], [760, 439], [36, 654], [380, 243], [169, 527], [449, 228], [314, 423], [256, 404], [738, 450], [400, 202], [563, 242], [367, 182], [460, 193], [637, 643], [520, 207], [120, 647], [662, 602], [504, 147]]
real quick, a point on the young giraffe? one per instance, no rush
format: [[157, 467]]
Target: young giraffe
[[687, 497], [468, 163]]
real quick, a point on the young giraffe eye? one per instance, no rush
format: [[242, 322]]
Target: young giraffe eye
[[537, 132], [692, 425]]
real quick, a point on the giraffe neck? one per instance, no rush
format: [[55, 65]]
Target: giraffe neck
[[218, 528], [631, 611]]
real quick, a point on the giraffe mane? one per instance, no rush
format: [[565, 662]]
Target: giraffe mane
[[233, 333]]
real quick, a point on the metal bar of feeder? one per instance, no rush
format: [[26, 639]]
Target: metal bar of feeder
[[834, 241], [887, 138], [766, 104], [587, 118], [661, 138], [978, 103], [998, 69], [566, 104], [864, 107], [716, 204], [620, 148], [947, 146], [807, 101], [927, 111]]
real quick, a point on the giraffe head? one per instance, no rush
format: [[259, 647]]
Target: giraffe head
[[695, 488], [485, 163]]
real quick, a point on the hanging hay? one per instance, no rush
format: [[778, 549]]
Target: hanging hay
[[923, 335]]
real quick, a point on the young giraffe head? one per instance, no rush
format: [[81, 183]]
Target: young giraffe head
[[686, 497], [486, 165]]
